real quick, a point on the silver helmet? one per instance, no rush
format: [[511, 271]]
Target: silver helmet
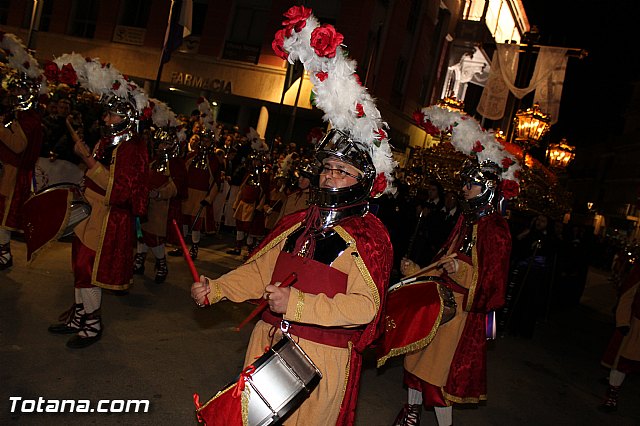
[[125, 108], [338, 144], [166, 147], [487, 175], [21, 90]]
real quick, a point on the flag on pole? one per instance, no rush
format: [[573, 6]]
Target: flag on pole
[[178, 27]]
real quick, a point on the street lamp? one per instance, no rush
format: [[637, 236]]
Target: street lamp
[[560, 154]]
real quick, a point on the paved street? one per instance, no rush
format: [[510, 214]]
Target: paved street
[[159, 346]]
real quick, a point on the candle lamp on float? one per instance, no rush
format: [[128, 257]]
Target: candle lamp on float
[[530, 126], [560, 154]]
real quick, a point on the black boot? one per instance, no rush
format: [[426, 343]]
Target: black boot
[[237, 250], [193, 252], [90, 333], [162, 270], [6, 260], [610, 404], [72, 320], [138, 263], [175, 252], [408, 416]]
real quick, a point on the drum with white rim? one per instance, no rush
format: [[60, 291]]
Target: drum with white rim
[[278, 382]]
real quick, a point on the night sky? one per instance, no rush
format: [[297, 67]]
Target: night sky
[[597, 88]]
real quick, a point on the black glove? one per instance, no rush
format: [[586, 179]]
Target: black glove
[[205, 203], [624, 330]]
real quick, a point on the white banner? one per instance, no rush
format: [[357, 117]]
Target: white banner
[[549, 91], [504, 67]]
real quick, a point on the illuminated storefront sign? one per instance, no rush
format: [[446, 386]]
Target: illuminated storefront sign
[[192, 80]]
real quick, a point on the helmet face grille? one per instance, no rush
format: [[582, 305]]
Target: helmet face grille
[[339, 145]]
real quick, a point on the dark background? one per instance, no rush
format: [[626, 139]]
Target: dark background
[[597, 89]]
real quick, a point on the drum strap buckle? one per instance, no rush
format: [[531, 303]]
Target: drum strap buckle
[[285, 326]]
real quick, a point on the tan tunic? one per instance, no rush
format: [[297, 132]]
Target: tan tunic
[[89, 231], [433, 362], [355, 307], [630, 348], [158, 209], [15, 139], [295, 202]]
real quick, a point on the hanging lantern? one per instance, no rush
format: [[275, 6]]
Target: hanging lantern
[[560, 154], [531, 125]]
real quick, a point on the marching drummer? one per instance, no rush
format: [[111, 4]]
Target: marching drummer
[[116, 188], [473, 263], [20, 137], [335, 304], [339, 251]]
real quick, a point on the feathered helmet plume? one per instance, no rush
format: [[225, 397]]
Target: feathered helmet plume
[[168, 129], [116, 91], [20, 69], [346, 103], [468, 137]]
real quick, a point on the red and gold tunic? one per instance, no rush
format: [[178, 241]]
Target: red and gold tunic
[[117, 193], [334, 310], [19, 149], [154, 230], [201, 185], [454, 362]]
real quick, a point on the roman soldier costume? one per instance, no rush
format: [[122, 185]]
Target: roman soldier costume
[[167, 180], [116, 189], [21, 135]]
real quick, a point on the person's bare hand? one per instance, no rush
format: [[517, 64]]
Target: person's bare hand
[[277, 297]]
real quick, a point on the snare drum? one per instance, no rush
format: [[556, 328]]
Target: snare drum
[[278, 383], [415, 310], [52, 213]]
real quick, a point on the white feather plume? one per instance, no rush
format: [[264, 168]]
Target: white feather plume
[[338, 94]]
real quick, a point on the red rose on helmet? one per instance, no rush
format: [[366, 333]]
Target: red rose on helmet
[[322, 76], [68, 75], [506, 162], [509, 188], [477, 147], [115, 85], [325, 40], [360, 110], [379, 185], [51, 71], [418, 117], [296, 17], [430, 128], [278, 43]]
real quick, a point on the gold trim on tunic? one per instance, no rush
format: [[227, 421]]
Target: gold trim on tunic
[[373, 289], [474, 265]]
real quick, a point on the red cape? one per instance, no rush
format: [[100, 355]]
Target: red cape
[[467, 381], [127, 195]]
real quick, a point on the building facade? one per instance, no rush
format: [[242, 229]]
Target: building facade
[[404, 49]]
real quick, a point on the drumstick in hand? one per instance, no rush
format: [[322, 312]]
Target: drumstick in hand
[[264, 302], [187, 257], [432, 266], [72, 131]]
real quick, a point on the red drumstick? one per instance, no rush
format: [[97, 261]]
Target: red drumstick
[[263, 304], [187, 257]]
